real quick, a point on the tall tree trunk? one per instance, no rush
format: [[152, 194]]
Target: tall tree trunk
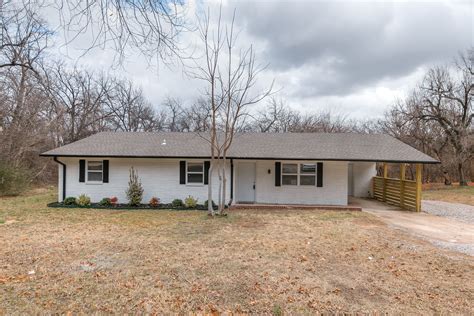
[[219, 202], [462, 179], [447, 180], [210, 207], [224, 182], [15, 151]]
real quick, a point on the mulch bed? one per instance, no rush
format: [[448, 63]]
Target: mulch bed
[[123, 206]]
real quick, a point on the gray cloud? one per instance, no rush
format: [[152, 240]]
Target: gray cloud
[[355, 58], [340, 47]]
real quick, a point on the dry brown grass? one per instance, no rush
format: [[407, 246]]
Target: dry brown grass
[[453, 193], [252, 261]]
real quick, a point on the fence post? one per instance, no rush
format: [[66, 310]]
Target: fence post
[[385, 174], [418, 187], [402, 185]]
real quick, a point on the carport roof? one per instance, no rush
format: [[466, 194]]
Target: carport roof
[[277, 146]]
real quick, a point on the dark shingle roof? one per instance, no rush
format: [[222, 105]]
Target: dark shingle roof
[[311, 146]]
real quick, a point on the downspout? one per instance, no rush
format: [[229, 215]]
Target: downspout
[[55, 158], [231, 181]]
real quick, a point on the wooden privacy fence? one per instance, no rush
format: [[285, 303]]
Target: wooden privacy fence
[[399, 192]]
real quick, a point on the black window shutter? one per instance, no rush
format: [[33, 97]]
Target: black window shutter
[[105, 171], [319, 175], [182, 172], [207, 165], [277, 174], [82, 170]]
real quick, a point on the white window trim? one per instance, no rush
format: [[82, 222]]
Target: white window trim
[[87, 172], [298, 174], [196, 184]]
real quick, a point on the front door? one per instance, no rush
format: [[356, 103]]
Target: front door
[[246, 182]]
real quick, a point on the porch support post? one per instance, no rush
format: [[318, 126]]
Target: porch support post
[[418, 187], [385, 173], [402, 185]]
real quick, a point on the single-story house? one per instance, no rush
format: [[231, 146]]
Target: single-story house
[[276, 168]]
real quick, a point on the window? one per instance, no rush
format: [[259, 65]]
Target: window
[[94, 171], [289, 173], [307, 174], [195, 172], [302, 174]]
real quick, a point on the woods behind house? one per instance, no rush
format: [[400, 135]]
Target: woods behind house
[[46, 103]]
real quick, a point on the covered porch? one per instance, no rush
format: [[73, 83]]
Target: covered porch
[[308, 184], [259, 184]]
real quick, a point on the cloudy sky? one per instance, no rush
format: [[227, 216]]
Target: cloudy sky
[[353, 58]]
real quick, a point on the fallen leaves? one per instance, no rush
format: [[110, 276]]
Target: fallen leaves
[[14, 278], [179, 263]]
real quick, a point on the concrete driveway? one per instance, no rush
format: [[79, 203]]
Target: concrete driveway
[[441, 231]]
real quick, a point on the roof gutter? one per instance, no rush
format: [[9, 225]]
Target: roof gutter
[[55, 158], [434, 161]]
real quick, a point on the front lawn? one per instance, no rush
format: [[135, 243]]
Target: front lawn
[[453, 193], [59, 260]]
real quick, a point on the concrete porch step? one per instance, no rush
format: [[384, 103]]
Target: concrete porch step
[[295, 207]]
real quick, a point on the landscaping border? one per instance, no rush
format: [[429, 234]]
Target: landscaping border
[[128, 207]]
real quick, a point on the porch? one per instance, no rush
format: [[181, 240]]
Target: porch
[[300, 184], [335, 185], [264, 206]]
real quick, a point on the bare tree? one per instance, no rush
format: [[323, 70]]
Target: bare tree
[[427, 136], [197, 116], [22, 114], [277, 117], [231, 79], [128, 109], [149, 27], [23, 103], [445, 97], [78, 98], [438, 119], [175, 115], [23, 36]]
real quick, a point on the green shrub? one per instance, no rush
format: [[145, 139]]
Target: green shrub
[[177, 203], [83, 200], [135, 189], [190, 202], [154, 202], [105, 202], [13, 180], [206, 204], [70, 200]]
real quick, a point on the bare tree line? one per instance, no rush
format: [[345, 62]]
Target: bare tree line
[[437, 118], [66, 104]]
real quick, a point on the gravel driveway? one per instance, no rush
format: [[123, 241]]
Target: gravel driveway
[[457, 211], [445, 231]]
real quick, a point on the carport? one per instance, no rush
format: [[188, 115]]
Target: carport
[[399, 191]]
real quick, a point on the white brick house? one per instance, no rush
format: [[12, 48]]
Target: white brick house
[[285, 168]]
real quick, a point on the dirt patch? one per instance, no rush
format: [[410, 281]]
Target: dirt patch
[[295, 262]]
